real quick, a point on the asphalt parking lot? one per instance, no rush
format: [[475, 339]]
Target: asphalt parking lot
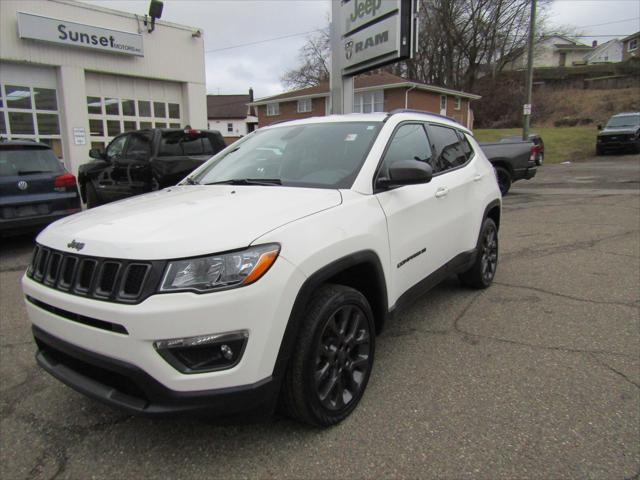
[[536, 377]]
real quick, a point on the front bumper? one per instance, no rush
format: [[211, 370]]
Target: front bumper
[[262, 309], [617, 142], [122, 385]]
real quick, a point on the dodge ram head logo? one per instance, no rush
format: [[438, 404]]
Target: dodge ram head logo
[[348, 47], [76, 245]]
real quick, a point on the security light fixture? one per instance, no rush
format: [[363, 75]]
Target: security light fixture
[[155, 11]]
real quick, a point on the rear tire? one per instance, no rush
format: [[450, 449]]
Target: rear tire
[[332, 360], [92, 196], [483, 270], [504, 179]]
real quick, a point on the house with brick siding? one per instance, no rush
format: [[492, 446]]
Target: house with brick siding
[[378, 92]]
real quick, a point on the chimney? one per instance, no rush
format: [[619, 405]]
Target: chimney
[[594, 44], [250, 94]]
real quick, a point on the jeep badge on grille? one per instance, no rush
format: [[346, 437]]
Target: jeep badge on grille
[[76, 245]]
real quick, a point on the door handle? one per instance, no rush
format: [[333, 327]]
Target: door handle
[[478, 177], [442, 192]]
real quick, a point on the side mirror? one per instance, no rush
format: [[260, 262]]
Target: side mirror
[[96, 153], [407, 172], [599, 127]]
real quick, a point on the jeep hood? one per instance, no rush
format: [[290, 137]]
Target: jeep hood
[[186, 220]]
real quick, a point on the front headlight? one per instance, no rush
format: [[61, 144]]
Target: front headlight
[[222, 271]]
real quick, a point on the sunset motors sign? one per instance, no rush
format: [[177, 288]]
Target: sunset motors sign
[[52, 30]]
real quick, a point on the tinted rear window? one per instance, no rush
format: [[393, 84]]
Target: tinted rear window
[[23, 161], [176, 144]]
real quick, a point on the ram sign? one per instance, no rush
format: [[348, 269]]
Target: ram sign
[[375, 33]]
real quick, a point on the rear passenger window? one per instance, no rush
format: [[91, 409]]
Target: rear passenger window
[[178, 144], [410, 142], [449, 151]]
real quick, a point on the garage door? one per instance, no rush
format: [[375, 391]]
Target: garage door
[[117, 104]]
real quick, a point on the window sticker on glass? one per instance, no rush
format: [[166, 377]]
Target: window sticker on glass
[[370, 127], [351, 137]]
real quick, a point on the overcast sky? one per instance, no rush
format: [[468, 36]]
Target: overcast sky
[[228, 23]]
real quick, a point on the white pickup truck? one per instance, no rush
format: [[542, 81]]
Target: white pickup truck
[[264, 276]]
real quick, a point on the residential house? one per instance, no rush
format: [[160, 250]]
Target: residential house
[[378, 92], [551, 51], [609, 52], [231, 115], [630, 46]]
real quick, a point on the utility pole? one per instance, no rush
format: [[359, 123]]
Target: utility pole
[[526, 109]]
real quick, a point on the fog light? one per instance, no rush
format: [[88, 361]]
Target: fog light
[[204, 353]]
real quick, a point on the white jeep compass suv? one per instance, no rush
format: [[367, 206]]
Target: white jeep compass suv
[[266, 274]]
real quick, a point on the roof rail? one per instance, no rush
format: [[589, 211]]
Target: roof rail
[[413, 110]]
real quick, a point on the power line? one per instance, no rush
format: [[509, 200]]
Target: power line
[[609, 23], [263, 41]]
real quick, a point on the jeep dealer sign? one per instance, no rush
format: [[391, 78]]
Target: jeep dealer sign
[[52, 30], [375, 33]]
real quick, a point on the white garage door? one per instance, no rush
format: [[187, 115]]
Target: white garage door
[[117, 104]]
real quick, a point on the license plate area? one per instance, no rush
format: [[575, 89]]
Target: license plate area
[[25, 211]]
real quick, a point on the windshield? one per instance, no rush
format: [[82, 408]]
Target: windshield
[[22, 161], [624, 121], [324, 155]]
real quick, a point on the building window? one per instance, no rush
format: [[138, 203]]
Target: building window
[[112, 106], [144, 108], [443, 104], [129, 108], [457, 102], [174, 110], [229, 127], [103, 126], [30, 113], [273, 109], [633, 44], [94, 105], [367, 102], [304, 105]]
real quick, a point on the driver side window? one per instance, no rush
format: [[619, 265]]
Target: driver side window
[[409, 142], [116, 147]]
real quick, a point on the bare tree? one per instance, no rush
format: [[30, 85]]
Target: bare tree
[[459, 40], [314, 63]]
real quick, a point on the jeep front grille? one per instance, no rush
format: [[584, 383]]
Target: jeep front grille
[[108, 279]]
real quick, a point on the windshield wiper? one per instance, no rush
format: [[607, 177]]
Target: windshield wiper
[[248, 181], [191, 181]]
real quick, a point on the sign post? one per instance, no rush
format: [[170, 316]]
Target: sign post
[[365, 35]]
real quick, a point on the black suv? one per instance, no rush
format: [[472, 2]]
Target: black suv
[[145, 160], [35, 188], [622, 132]]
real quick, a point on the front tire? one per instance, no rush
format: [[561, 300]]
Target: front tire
[[330, 366], [483, 270]]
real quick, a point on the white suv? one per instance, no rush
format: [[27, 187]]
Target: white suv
[[266, 274]]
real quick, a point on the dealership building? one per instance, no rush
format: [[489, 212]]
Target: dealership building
[[74, 75]]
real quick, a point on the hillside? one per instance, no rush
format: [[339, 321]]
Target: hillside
[[559, 96]]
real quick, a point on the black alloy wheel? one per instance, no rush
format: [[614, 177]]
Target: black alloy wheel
[[489, 256], [342, 358], [484, 267], [332, 358]]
